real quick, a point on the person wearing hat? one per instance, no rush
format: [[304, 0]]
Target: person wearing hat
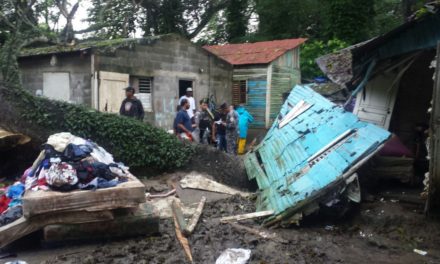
[[192, 103], [131, 106]]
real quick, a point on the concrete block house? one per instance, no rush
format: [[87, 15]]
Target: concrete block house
[[263, 72], [160, 68]]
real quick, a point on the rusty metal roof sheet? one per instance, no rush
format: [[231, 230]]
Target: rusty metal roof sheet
[[311, 149], [254, 53]]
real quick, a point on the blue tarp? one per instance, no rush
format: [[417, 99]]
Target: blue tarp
[[316, 149]]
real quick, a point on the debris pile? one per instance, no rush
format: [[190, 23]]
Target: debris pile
[[310, 156], [75, 190]]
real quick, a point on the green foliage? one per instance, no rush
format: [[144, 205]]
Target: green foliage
[[236, 20], [133, 142], [287, 18], [311, 50], [350, 20]]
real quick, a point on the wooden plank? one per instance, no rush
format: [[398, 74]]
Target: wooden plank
[[183, 240], [246, 216], [127, 194], [195, 218], [195, 181], [142, 221], [22, 227], [177, 212]]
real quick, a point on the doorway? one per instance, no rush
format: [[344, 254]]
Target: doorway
[[183, 85]]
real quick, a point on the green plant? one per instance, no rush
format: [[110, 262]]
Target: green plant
[[312, 50], [133, 142]]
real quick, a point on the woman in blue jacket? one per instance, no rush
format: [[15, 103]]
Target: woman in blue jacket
[[244, 119]]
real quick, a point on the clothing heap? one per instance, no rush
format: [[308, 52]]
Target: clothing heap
[[11, 203], [68, 162]]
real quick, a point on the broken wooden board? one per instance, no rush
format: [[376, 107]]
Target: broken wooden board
[[22, 227], [144, 221], [195, 181], [195, 218], [163, 206], [127, 194], [183, 240], [178, 214], [237, 218]]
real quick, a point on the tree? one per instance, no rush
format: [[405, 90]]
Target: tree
[[40, 117], [279, 19], [350, 20], [119, 18], [237, 17]]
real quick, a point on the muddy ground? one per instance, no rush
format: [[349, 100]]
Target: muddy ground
[[386, 229], [382, 231]]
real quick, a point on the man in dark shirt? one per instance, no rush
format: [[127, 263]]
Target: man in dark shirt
[[131, 106], [219, 127], [182, 123]]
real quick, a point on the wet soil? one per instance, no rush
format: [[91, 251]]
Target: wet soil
[[382, 231]]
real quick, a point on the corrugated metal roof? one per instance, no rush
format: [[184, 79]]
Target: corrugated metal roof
[[297, 162], [254, 53]]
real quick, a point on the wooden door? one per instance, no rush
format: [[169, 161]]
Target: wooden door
[[111, 90], [376, 103]]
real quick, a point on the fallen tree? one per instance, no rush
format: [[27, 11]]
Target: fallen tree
[[133, 142]]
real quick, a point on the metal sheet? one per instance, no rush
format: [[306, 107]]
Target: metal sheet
[[297, 162]]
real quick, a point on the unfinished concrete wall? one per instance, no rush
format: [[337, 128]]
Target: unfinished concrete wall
[[168, 60], [77, 66]]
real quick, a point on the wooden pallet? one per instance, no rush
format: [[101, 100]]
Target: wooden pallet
[[125, 195]]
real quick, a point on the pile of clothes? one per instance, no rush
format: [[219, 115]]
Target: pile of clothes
[[11, 203], [68, 162]]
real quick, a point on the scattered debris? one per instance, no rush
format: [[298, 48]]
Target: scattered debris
[[308, 161], [262, 234], [237, 218], [420, 252], [195, 181], [72, 187], [154, 196], [329, 227], [195, 218], [16, 262], [234, 256]]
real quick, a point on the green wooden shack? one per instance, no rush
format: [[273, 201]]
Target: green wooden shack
[[263, 72]]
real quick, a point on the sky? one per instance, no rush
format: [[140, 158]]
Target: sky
[[81, 14]]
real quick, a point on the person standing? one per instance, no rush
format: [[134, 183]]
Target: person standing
[[219, 127], [244, 119], [182, 123], [205, 119], [192, 103], [131, 106], [231, 130]]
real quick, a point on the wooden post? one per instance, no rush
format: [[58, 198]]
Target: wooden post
[[434, 169]]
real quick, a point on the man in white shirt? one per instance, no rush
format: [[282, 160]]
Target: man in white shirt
[[192, 103]]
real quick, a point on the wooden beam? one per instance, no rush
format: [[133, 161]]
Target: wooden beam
[[237, 218], [195, 218], [178, 214]]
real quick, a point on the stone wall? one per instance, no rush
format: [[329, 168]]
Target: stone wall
[[168, 60], [78, 66]]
